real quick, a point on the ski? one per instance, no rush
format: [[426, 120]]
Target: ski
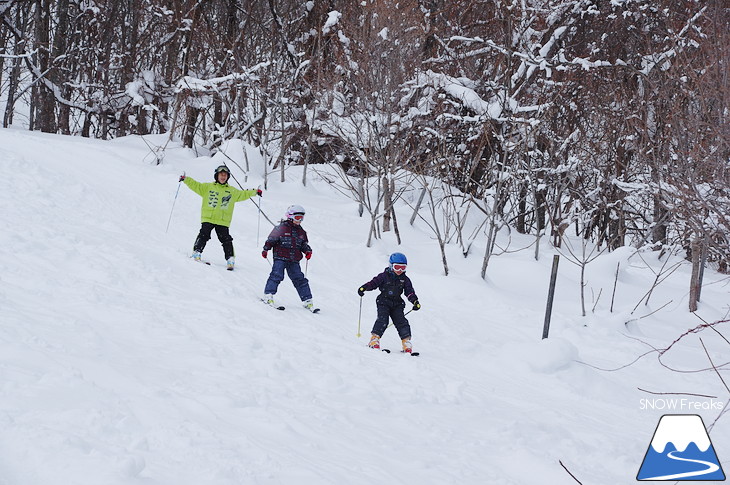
[[208, 263], [272, 306], [413, 354]]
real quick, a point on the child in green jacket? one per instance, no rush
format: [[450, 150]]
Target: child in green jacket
[[219, 199]]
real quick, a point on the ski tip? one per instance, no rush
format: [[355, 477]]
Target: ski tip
[[272, 306], [316, 310], [387, 351]]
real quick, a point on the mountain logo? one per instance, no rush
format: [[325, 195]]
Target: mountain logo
[[681, 450]]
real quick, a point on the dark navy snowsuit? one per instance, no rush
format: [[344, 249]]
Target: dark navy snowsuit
[[389, 302]]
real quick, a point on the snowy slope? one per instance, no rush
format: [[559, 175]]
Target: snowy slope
[[122, 361]]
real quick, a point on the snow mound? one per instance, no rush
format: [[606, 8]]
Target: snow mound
[[551, 355]]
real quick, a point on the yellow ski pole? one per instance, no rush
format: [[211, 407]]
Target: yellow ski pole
[[359, 317]]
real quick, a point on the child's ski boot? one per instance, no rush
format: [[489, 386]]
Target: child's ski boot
[[230, 263], [374, 342], [407, 345], [309, 305]]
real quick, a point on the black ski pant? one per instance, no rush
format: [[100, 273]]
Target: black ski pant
[[223, 236], [392, 309]]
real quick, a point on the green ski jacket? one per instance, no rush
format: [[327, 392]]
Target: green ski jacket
[[218, 200]]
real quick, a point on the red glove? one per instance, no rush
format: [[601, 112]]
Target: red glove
[[308, 255], [264, 254], [259, 192], [182, 177]]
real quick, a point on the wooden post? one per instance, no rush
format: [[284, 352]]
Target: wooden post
[[551, 295], [695, 278], [703, 261]]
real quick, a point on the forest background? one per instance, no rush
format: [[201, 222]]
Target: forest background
[[606, 118]]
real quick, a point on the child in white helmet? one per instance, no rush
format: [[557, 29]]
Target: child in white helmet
[[289, 242]]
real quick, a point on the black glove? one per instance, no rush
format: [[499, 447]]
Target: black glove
[[416, 306], [259, 192], [182, 177], [361, 291]]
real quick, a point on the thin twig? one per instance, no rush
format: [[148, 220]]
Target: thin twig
[[713, 366], [652, 313], [676, 394], [566, 469]]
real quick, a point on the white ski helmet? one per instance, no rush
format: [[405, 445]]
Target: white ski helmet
[[294, 210]]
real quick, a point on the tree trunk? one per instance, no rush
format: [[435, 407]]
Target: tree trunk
[[59, 49], [541, 210], [45, 116], [387, 204], [12, 89], [395, 219], [522, 208], [659, 229], [191, 119]]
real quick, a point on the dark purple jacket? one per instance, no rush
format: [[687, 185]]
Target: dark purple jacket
[[391, 286], [288, 240]]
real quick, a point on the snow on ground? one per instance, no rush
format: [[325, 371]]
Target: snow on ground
[[122, 361]]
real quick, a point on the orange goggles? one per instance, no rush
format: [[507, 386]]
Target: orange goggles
[[298, 217]]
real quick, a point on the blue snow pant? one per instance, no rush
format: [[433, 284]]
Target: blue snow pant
[[301, 283], [389, 308]]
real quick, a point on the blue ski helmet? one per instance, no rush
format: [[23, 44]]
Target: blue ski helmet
[[398, 258]]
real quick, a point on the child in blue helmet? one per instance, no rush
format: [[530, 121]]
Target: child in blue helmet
[[392, 283]]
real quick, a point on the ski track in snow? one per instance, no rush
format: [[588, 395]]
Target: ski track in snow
[[122, 361]]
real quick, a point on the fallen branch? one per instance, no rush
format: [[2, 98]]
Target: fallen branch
[[676, 394], [566, 469]]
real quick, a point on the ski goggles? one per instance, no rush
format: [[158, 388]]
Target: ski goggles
[[298, 217], [399, 267]]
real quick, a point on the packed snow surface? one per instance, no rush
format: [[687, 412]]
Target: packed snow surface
[[122, 361]]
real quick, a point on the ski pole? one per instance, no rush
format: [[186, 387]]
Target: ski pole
[[258, 223], [262, 212], [173, 205], [359, 317]]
